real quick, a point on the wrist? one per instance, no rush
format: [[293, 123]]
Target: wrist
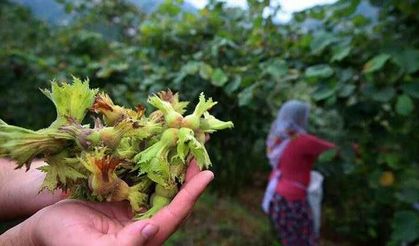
[[20, 234]]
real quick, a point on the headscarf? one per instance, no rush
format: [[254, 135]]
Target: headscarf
[[291, 119]]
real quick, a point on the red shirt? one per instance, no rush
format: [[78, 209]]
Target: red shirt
[[296, 163]]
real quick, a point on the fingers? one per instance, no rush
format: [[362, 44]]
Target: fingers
[[137, 233], [188, 195], [193, 169], [172, 215]]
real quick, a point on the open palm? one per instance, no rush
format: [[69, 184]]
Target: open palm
[[74, 222]]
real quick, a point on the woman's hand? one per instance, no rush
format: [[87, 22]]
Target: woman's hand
[[73, 222]]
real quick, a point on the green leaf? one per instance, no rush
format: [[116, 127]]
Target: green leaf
[[404, 105], [340, 52], [360, 20], [71, 100], [412, 89], [408, 60], [409, 195], [203, 105], [218, 78], [327, 155], [383, 95], [346, 90], [169, 7], [405, 226], [392, 159], [158, 170], [205, 71], [376, 63], [321, 41], [68, 7], [211, 124], [246, 96], [233, 85], [184, 135], [323, 92], [59, 172], [277, 69], [319, 71], [109, 69], [200, 153], [191, 67]]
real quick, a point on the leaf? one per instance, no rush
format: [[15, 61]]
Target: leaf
[[203, 105], [68, 7], [233, 85], [219, 78], [392, 159], [321, 41], [404, 105], [340, 52], [71, 100], [200, 153], [409, 195], [408, 60], [211, 124], [383, 95], [107, 70], [327, 155], [205, 71], [277, 69], [360, 20], [323, 93], [319, 71], [246, 96], [170, 8], [346, 90], [184, 136], [58, 173], [158, 170], [405, 226], [376, 63], [191, 67], [412, 89]]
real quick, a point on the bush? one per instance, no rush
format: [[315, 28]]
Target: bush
[[355, 61]]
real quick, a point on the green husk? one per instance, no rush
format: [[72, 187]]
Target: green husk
[[125, 155], [71, 101]]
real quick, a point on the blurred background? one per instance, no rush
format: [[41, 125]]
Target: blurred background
[[355, 61]]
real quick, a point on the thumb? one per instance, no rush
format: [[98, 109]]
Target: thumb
[[137, 233]]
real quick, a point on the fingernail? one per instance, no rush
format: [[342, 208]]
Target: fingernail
[[149, 230], [211, 174]]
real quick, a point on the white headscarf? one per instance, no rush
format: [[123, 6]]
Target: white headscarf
[[291, 118]]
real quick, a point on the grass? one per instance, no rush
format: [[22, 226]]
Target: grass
[[223, 221]]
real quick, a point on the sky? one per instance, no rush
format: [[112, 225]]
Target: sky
[[287, 6]]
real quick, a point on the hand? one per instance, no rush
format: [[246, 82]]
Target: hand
[[19, 190], [73, 222]]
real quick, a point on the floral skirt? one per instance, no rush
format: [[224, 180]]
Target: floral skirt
[[292, 221]]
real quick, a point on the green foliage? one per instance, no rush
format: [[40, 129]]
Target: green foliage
[[406, 226], [376, 63], [359, 72]]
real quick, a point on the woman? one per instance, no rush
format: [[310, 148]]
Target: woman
[[291, 153]]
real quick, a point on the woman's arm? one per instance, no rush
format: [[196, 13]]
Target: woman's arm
[[314, 146], [19, 190]]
